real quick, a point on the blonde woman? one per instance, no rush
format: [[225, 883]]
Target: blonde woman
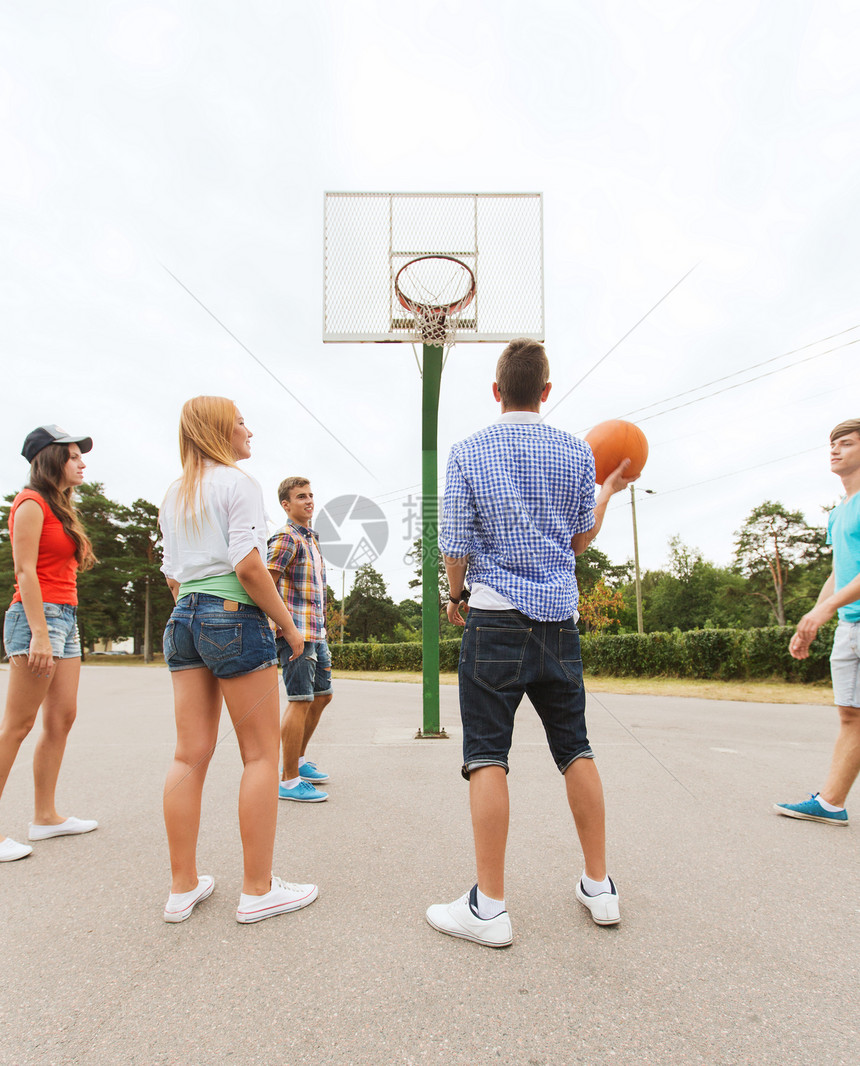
[[40, 631], [218, 645]]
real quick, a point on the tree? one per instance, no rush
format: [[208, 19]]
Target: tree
[[335, 617], [371, 611], [102, 606], [600, 607], [770, 543], [7, 565], [148, 597], [592, 566], [415, 555]]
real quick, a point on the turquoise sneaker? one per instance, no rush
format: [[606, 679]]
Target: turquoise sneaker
[[311, 772], [303, 792], [812, 811]]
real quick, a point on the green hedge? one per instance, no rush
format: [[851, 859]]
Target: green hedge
[[713, 654], [391, 656]]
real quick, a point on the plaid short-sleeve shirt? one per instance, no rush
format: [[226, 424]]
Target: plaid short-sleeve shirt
[[515, 495], [291, 564]]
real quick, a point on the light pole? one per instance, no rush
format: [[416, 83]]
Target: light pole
[[639, 625]]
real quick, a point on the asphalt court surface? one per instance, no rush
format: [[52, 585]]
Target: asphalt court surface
[[738, 942]]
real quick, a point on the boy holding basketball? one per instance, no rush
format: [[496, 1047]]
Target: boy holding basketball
[[840, 595], [519, 506]]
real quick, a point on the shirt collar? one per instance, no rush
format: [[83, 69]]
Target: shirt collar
[[308, 532], [520, 416]]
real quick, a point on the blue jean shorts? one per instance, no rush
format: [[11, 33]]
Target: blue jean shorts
[[226, 637], [62, 621], [504, 656], [845, 665], [309, 675]]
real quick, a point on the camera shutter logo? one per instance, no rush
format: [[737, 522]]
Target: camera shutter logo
[[353, 531]]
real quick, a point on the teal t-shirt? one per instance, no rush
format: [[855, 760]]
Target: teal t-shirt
[[843, 532], [226, 585]]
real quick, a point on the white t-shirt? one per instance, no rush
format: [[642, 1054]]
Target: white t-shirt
[[229, 525]]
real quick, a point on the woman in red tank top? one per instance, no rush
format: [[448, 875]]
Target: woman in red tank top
[[49, 546]]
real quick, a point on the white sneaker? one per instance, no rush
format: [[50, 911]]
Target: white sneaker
[[10, 850], [603, 906], [460, 918], [180, 904], [282, 897], [71, 827]]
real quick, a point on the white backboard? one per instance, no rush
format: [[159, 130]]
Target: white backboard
[[370, 236]]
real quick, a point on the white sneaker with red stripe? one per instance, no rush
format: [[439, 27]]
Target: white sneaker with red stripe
[[281, 898]]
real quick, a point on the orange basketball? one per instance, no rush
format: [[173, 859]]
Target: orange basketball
[[614, 441]]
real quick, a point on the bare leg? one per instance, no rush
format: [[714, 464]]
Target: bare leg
[[252, 701], [845, 764], [490, 806], [585, 796], [59, 709], [197, 697], [312, 720], [23, 696], [293, 729]]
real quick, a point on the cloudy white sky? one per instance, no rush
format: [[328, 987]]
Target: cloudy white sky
[[200, 136]]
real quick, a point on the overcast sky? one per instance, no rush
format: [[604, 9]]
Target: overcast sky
[[199, 138]]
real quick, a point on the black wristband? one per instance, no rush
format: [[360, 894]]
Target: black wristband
[[462, 598]]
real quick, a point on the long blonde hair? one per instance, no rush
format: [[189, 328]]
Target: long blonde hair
[[205, 432], [46, 477]]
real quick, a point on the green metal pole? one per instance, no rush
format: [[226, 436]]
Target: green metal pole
[[430, 380]]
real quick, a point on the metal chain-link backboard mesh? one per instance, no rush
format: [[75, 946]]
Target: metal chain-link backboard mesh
[[370, 236]]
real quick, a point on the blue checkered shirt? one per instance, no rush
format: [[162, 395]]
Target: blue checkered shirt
[[515, 495]]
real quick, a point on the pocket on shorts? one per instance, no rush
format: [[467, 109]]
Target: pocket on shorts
[[168, 646], [570, 655], [499, 655], [220, 641], [53, 610], [16, 631]]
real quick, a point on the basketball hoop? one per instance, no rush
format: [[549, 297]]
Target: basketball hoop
[[435, 289]]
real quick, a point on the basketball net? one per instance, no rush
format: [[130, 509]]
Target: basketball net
[[435, 290]]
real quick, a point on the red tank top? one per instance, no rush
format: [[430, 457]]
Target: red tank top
[[56, 567]]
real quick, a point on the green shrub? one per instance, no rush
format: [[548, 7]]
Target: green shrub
[[712, 654]]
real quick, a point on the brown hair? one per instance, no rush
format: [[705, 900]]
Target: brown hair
[[205, 432], [287, 486], [46, 477], [844, 428], [522, 373]]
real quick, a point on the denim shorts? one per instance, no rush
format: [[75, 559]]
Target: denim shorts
[[310, 674], [62, 621], [202, 631], [845, 665], [504, 656]]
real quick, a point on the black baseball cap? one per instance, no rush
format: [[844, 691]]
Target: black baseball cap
[[43, 436]]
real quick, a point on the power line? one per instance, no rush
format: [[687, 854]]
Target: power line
[[618, 342], [271, 374], [744, 370], [749, 381]]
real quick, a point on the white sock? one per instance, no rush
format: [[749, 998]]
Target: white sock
[[293, 781], [828, 806], [489, 908], [594, 888], [302, 761]]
